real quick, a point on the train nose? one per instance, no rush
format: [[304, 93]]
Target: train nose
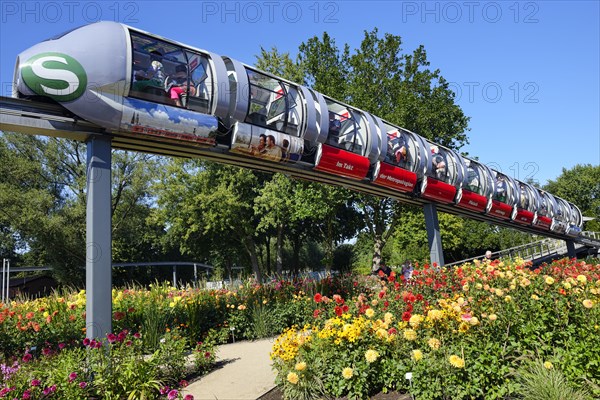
[[84, 69]]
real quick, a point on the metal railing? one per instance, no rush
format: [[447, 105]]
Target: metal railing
[[536, 250]]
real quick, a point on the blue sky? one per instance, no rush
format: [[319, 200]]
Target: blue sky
[[526, 72]]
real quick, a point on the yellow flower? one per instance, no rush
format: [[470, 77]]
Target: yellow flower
[[587, 303], [371, 355], [492, 317], [388, 317], [478, 285], [567, 285], [582, 279], [549, 280], [434, 343], [293, 378], [347, 373], [434, 315], [508, 299], [415, 320], [456, 361], [301, 366], [417, 355], [548, 365], [410, 334], [534, 297], [369, 313], [474, 321], [499, 292]]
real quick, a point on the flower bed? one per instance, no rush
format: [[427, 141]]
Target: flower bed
[[470, 332]]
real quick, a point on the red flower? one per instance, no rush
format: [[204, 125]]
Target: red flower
[[338, 311], [381, 294], [316, 313], [419, 297], [318, 298], [406, 316], [118, 315], [345, 308]]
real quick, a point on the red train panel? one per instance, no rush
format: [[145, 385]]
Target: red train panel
[[396, 178], [439, 191], [473, 201], [500, 210], [524, 217], [543, 222], [343, 163]]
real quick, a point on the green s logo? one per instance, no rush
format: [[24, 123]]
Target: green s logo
[[55, 75]]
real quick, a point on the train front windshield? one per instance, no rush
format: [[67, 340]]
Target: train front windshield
[[168, 74]]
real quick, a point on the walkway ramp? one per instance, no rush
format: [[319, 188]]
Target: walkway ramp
[[246, 373]]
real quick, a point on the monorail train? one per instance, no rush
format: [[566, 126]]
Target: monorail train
[[141, 85]]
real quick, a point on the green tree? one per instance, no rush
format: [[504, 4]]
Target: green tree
[[208, 206], [43, 203], [581, 186]]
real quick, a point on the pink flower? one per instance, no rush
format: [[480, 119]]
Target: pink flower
[[61, 346], [86, 342], [72, 376], [188, 397], [164, 390], [173, 394], [82, 385], [111, 337], [26, 394], [35, 382], [137, 335], [183, 383], [27, 357]]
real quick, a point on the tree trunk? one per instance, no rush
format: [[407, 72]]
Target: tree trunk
[[280, 250], [377, 246], [329, 247], [251, 249], [296, 254], [268, 250]]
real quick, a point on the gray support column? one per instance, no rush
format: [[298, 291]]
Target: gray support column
[[174, 276], [434, 237], [98, 266], [571, 248]]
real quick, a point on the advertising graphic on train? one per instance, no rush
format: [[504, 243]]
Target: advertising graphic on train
[[147, 118], [266, 144]]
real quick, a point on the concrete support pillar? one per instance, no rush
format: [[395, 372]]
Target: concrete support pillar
[[571, 248], [98, 266], [434, 237]]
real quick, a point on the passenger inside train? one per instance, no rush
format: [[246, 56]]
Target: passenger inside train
[[151, 76], [439, 165], [397, 148], [500, 193], [179, 87]]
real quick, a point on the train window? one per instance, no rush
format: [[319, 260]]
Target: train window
[[347, 128], [160, 71], [274, 104], [474, 177], [503, 189], [200, 90], [444, 166], [544, 209], [401, 148]]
